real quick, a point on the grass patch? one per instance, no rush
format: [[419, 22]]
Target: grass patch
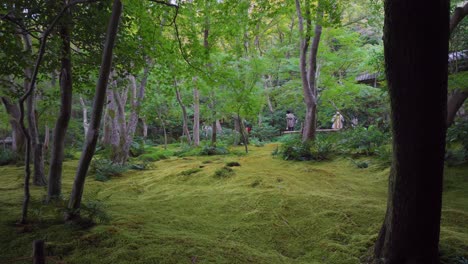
[[277, 212], [233, 164], [224, 172], [190, 171]]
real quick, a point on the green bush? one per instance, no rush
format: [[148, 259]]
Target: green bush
[[456, 155], [7, 157], [384, 155], [362, 141], [104, 169], [264, 132], [322, 148], [294, 149], [212, 150], [137, 148], [224, 172], [256, 142]]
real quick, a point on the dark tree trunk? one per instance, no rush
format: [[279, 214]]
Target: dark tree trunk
[[308, 74], [196, 117], [38, 159], [410, 233], [454, 102], [98, 105], [54, 189], [17, 134]]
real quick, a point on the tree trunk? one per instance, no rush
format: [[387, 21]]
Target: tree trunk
[[242, 131], [98, 105], [308, 75], [54, 190], [410, 233], [17, 134], [184, 117], [85, 116], [145, 128], [196, 117], [38, 159], [454, 102]]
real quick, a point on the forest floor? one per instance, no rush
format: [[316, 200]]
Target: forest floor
[[268, 211]]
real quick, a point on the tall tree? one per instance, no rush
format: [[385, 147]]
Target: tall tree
[[309, 69], [74, 203], [410, 233], [54, 189]]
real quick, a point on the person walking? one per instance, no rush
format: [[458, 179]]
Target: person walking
[[290, 121]]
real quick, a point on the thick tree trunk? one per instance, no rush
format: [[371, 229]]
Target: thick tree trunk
[[17, 134], [196, 117], [410, 233], [243, 133], [54, 190], [454, 102], [184, 117], [98, 105]]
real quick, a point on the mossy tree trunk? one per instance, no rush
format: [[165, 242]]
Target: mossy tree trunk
[[410, 233]]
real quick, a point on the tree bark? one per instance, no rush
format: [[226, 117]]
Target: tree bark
[[54, 190], [196, 117], [98, 105], [458, 14], [85, 116], [184, 117], [454, 102], [410, 233], [17, 134]]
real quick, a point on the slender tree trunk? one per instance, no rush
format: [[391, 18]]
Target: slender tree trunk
[[455, 101], [98, 105], [145, 128], [410, 233], [164, 129], [308, 75], [245, 138], [54, 189], [38, 159], [196, 117], [214, 133], [17, 134], [85, 115], [184, 117]]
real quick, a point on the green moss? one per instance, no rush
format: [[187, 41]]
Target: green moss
[[274, 211]]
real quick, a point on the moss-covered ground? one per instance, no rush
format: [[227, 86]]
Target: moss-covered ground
[[267, 211]]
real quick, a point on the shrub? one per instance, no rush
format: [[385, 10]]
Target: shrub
[[264, 132], [224, 172], [104, 169], [363, 141], [456, 155], [212, 150], [137, 148], [384, 155], [7, 157], [94, 208], [233, 164], [256, 142], [322, 148], [294, 149]]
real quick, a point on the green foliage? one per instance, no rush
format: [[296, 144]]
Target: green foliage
[[264, 132], [137, 147], [104, 169], [224, 172], [213, 150], [456, 155], [322, 148], [362, 141], [256, 142], [293, 149], [384, 155], [95, 208], [7, 156]]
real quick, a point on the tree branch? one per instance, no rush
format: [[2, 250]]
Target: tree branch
[[458, 14]]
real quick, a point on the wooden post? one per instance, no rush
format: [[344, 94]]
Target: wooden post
[[38, 252]]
